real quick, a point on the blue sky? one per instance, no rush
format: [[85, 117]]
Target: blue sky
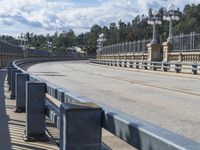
[[48, 16]]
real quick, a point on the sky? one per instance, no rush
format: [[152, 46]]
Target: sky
[[48, 16]]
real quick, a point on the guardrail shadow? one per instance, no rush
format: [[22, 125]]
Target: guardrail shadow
[[4, 118]]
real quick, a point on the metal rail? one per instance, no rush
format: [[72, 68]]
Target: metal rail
[[136, 132], [151, 65]]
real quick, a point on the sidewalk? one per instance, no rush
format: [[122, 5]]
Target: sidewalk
[[12, 124]]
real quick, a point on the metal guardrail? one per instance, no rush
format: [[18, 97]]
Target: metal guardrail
[[151, 65], [138, 133]]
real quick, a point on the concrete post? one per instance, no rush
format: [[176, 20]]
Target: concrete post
[[9, 77], [154, 52], [20, 90], [13, 72], [166, 50], [35, 111], [80, 126]]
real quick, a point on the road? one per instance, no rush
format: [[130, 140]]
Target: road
[[168, 100]]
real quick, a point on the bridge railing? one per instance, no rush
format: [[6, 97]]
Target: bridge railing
[[126, 48], [186, 43], [178, 67], [81, 119]]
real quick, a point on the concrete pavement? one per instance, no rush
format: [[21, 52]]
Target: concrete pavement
[[169, 100]]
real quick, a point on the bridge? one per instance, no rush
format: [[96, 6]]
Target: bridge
[[121, 100]]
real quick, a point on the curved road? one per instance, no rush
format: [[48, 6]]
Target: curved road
[[169, 100]]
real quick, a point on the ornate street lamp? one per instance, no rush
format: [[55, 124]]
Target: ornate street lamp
[[100, 43], [49, 44], [170, 16], [154, 20], [23, 40]]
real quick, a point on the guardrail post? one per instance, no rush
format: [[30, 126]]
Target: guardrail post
[[125, 64], [80, 126], [154, 66], [131, 64], [119, 63], [9, 77], [20, 88], [178, 68], [165, 67], [145, 66], [13, 72], [116, 63], [35, 111], [194, 68], [137, 65]]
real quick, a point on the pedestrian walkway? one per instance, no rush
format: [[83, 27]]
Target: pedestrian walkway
[[12, 124]]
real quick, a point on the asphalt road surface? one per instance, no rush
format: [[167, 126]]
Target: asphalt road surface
[[166, 99]]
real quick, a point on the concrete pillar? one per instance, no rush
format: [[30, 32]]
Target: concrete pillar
[[9, 70], [35, 111], [166, 50], [80, 126], [20, 91], [154, 52], [13, 72]]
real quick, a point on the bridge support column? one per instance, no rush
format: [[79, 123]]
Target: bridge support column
[[13, 73], [35, 111], [154, 52], [80, 126], [20, 88]]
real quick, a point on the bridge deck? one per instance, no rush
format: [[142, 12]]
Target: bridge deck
[[12, 125], [165, 99]]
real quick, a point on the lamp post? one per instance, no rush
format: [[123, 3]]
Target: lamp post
[[154, 20], [170, 16], [100, 43], [23, 40], [49, 44]]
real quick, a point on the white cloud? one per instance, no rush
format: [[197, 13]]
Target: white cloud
[[60, 15]]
